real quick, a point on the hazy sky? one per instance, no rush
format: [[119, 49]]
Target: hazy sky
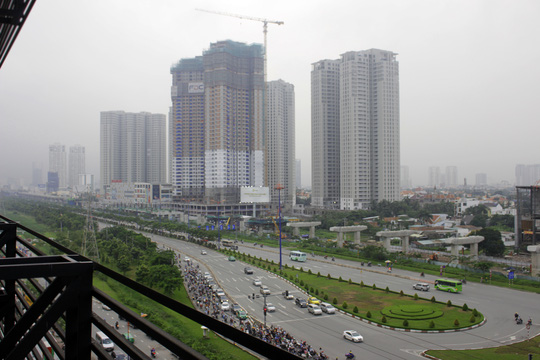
[[469, 72]]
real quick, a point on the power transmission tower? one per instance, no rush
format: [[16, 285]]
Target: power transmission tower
[[89, 245]]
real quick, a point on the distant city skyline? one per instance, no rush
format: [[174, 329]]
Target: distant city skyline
[[442, 47]]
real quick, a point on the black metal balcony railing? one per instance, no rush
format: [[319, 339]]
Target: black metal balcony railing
[[60, 316]]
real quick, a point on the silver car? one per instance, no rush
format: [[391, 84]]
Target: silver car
[[327, 308]]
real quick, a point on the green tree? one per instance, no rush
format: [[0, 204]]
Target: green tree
[[492, 244]]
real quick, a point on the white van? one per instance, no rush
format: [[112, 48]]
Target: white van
[[104, 341]]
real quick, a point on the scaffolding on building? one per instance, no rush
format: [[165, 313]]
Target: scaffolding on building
[[527, 221]]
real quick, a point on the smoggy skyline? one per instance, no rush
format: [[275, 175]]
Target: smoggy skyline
[[468, 73]]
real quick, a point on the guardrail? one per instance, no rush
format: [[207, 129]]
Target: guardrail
[[46, 307]]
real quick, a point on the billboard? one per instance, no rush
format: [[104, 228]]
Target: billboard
[[249, 194], [196, 88]]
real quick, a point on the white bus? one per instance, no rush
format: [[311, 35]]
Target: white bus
[[226, 242], [298, 256]]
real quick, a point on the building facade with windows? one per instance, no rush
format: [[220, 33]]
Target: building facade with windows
[[133, 147], [280, 144], [217, 142], [325, 135], [358, 127], [77, 164], [58, 163]]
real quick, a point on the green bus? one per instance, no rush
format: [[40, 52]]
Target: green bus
[[298, 256], [448, 285]]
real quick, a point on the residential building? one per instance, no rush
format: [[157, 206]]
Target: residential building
[[481, 179], [58, 164], [405, 178], [527, 175], [217, 142], [132, 147], [325, 135], [280, 143], [298, 173], [451, 175], [76, 164], [357, 126], [434, 176]]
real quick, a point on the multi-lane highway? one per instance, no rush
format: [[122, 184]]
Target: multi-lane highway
[[325, 331]]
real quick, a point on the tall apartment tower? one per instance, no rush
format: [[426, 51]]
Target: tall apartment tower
[[325, 136], [58, 163], [369, 131], [76, 164], [357, 127], [298, 173], [451, 174], [405, 179], [527, 174], [132, 147], [481, 179], [280, 142], [434, 176], [216, 122]]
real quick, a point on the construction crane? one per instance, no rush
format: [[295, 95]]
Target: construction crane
[[265, 29]]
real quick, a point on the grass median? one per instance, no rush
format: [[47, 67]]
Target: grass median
[[375, 302], [517, 351]]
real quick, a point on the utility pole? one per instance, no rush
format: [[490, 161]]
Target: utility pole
[[89, 246]]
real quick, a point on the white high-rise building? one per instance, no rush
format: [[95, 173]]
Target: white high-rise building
[[298, 173], [451, 174], [405, 178], [132, 147], [481, 179], [280, 143], [434, 176], [325, 140], [77, 164], [362, 116], [58, 163], [527, 174]]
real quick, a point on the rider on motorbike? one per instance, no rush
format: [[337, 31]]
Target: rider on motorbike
[[153, 352], [349, 355]]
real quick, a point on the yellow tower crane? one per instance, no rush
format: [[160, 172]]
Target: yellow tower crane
[[265, 29]]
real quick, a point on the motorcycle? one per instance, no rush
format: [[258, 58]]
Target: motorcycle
[[350, 356], [422, 274], [333, 258], [519, 321], [153, 353]]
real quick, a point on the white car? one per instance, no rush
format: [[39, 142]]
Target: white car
[[327, 308], [257, 282], [421, 286], [352, 335], [264, 290], [270, 307], [225, 306], [314, 309], [220, 292], [203, 252]]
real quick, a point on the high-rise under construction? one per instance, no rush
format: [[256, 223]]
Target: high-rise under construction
[[216, 122]]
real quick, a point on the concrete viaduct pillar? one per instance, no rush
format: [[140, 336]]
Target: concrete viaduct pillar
[[535, 258], [403, 235], [343, 229], [297, 225], [455, 243]]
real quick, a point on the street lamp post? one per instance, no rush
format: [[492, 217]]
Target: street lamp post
[[279, 187]]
